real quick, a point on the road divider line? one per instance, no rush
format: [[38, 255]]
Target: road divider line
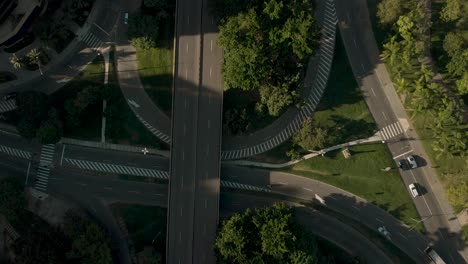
[[379, 220], [355, 207], [310, 190]]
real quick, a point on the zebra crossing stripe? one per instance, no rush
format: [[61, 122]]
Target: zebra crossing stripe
[[115, 168], [242, 186], [16, 152], [6, 106]]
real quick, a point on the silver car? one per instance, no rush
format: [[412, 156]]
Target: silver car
[[414, 191], [412, 162]]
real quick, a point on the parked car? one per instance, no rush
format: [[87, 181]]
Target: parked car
[[413, 189], [412, 162], [126, 19], [10, 96]]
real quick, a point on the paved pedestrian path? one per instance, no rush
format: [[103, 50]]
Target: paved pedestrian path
[[374, 138], [6, 106], [16, 152], [43, 171]]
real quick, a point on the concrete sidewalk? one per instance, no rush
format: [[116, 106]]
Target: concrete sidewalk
[[371, 139]]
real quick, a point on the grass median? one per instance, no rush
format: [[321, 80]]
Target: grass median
[[363, 175]]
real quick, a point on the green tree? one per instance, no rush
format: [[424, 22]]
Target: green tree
[[457, 194], [143, 43], [453, 43], [32, 105], [451, 11], [49, 132], [34, 56], [16, 61], [92, 246], [461, 85], [310, 137], [12, 201], [458, 64], [391, 51], [233, 239], [26, 128], [143, 26], [388, 11]]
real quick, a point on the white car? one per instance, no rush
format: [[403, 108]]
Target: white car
[[414, 191], [412, 162], [126, 19]]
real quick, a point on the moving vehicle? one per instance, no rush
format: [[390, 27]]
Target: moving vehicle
[[414, 191], [434, 256], [412, 162], [402, 164], [126, 19]]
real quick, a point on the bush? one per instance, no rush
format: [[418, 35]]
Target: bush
[[143, 43]]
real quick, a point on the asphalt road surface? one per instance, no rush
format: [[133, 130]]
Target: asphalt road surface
[[185, 100], [95, 193], [196, 137], [438, 218]]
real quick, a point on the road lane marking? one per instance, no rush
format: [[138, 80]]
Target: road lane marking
[[364, 69], [105, 32], [186, 73], [355, 44], [379, 220], [27, 174], [63, 152], [372, 89], [108, 188], [180, 211], [310, 190], [402, 235], [355, 207], [383, 113], [396, 157], [211, 43], [186, 48], [183, 155], [210, 71]]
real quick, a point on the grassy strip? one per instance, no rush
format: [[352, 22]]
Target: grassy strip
[[92, 75], [156, 67], [126, 128], [465, 232], [362, 174], [146, 225]]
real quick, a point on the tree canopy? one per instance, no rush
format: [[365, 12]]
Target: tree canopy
[[266, 45], [388, 11], [267, 235], [12, 200]]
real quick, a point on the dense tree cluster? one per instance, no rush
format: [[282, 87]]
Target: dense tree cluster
[[266, 46], [404, 52], [269, 235], [37, 118], [311, 137], [143, 29], [89, 242]]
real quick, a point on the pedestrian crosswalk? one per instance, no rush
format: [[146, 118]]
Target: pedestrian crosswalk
[[316, 86], [391, 131], [43, 171], [235, 185], [118, 169], [16, 152], [91, 40], [153, 130], [8, 105]]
